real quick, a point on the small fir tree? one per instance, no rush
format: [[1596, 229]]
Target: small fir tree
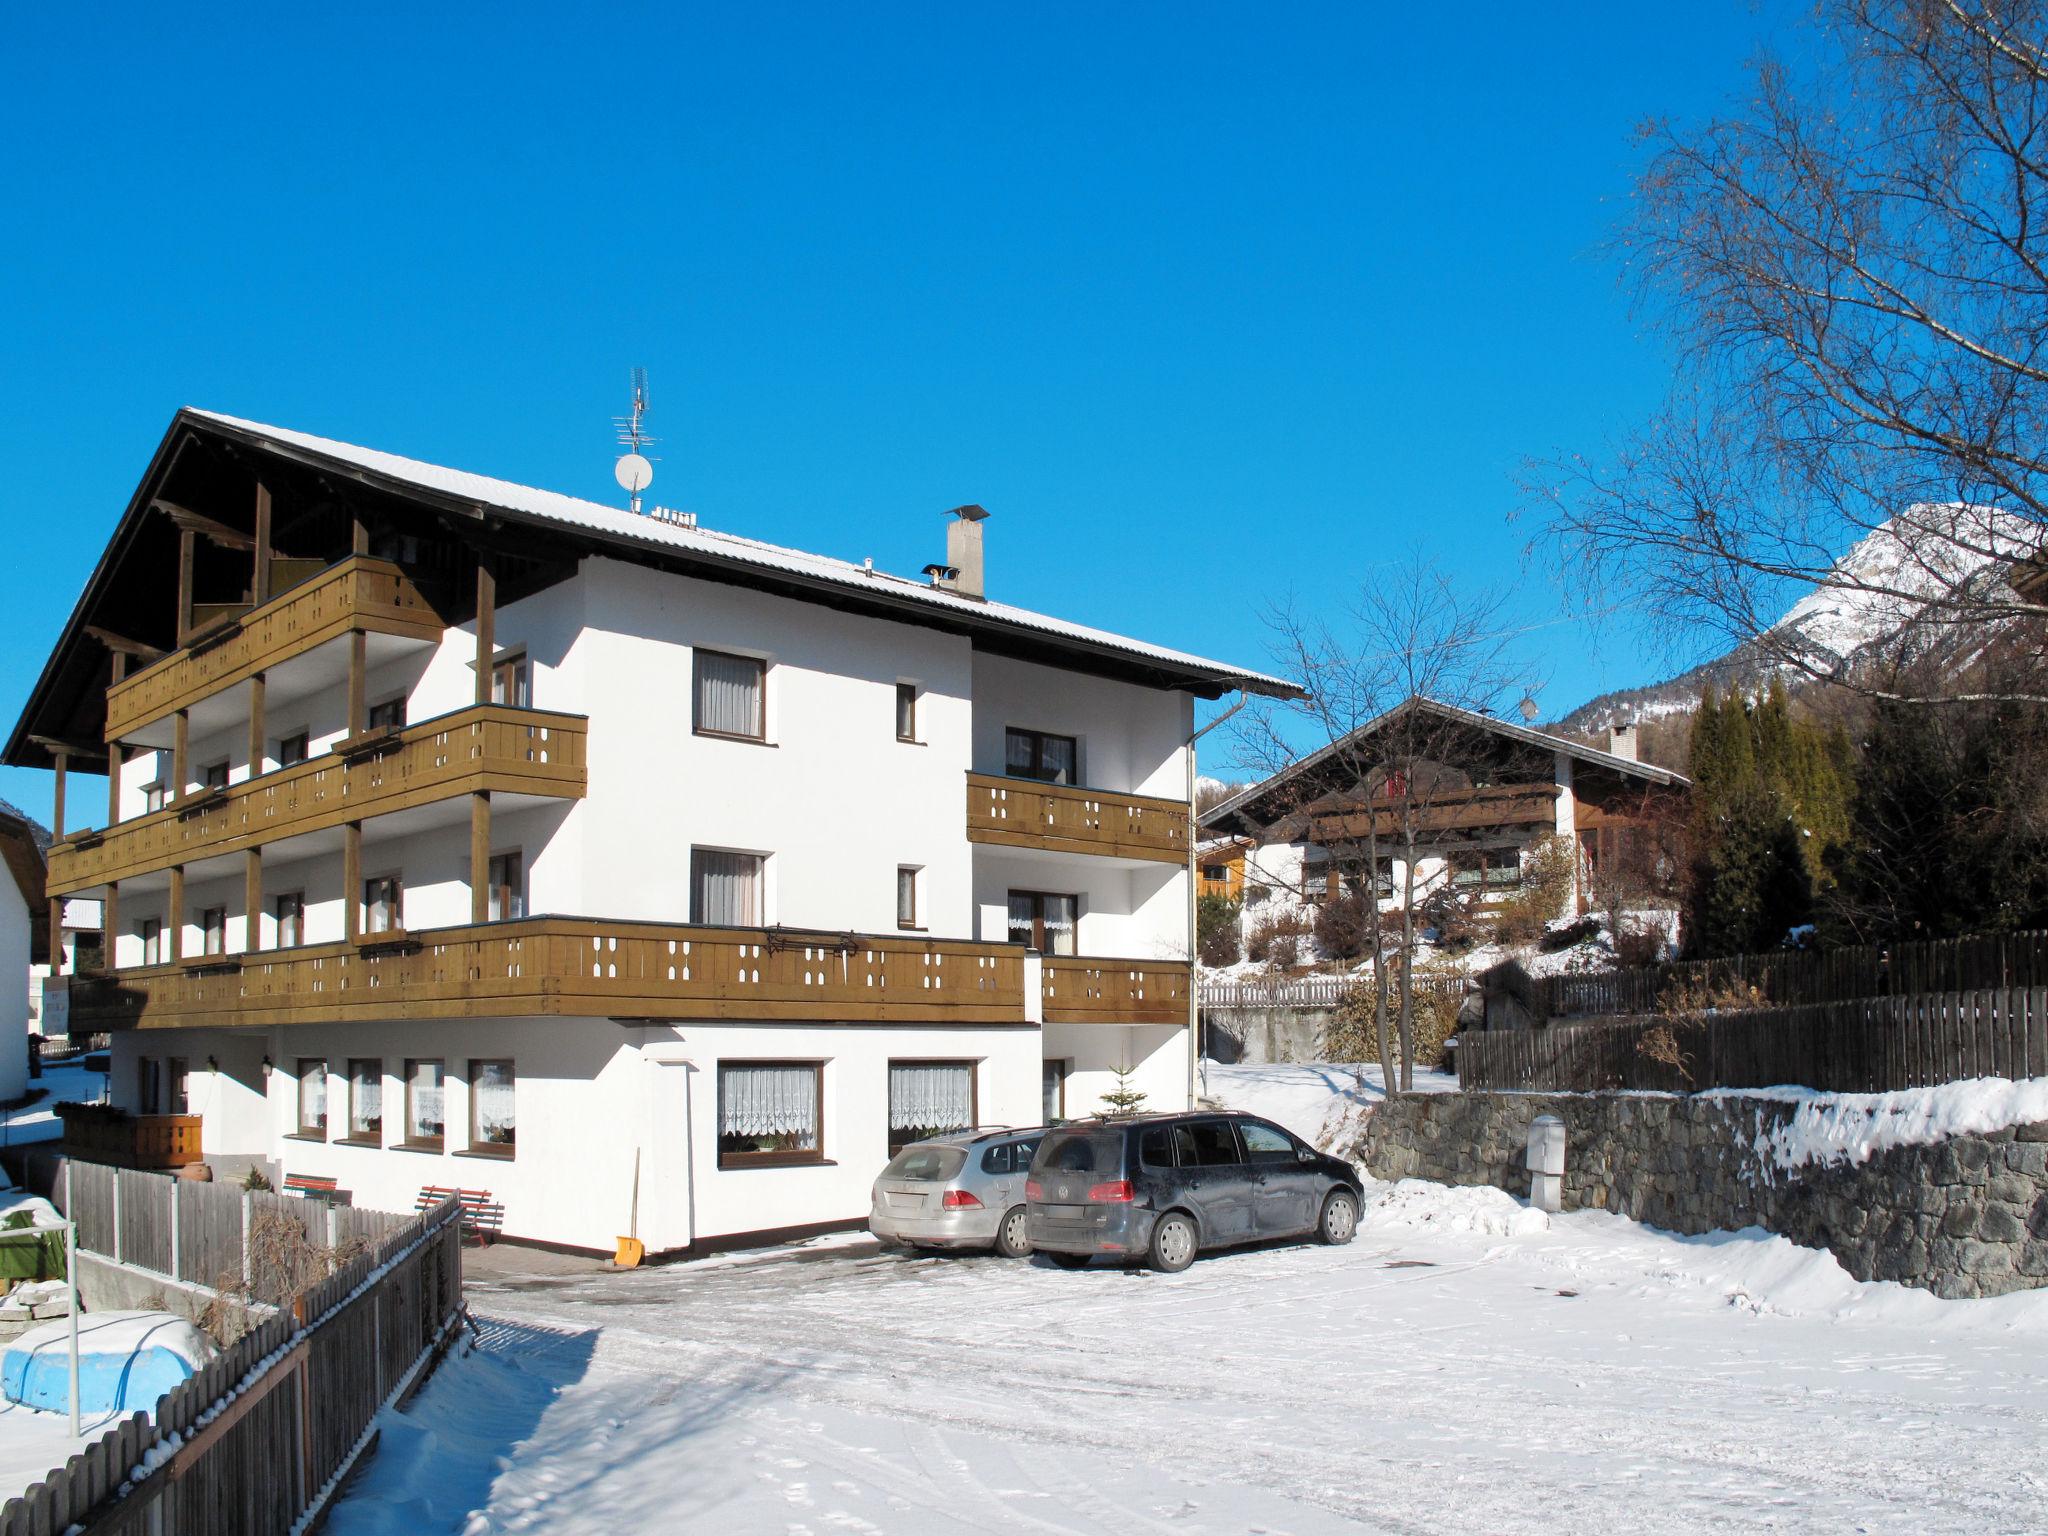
[[1123, 1099]]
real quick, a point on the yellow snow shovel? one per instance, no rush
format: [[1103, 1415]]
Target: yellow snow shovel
[[631, 1249]]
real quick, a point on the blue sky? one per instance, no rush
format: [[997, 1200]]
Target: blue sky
[[1207, 305]]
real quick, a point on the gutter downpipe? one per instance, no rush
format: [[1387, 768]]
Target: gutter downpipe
[[1194, 829]]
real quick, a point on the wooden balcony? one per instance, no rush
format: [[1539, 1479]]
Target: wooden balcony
[[94, 1133], [1022, 813], [484, 747], [572, 967], [359, 593], [1502, 806], [1086, 990]]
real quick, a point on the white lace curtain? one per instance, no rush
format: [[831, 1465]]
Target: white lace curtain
[[930, 1098], [491, 1089], [728, 694], [426, 1096], [768, 1101], [728, 888]]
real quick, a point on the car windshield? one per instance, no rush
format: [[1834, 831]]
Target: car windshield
[[925, 1164], [1094, 1151]]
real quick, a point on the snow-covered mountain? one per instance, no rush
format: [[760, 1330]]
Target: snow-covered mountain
[[1874, 599]]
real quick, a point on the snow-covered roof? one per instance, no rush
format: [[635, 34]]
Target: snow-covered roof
[[1218, 816], [629, 529]]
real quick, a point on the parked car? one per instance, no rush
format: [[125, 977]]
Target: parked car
[[1165, 1187], [962, 1190]]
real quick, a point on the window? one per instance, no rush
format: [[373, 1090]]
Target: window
[[1206, 1144], [313, 1096], [512, 682], [293, 749], [1315, 878], [389, 715], [1155, 1147], [214, 776], [725, 888], [383, 905], [1264, 1144], [906, 711], [508, 886], [366, 1100], [1216, 874], [1053, 1089], [177, 1082], [1035, 755], [291, 919], [492, 1122], [1009, 1156], [729, 695], [425, 1092], [927, 1099], [1044, 921], [906, 896], [770, 1112], [1493, 868], [152, 797], [213, 931], [151, 932], [149, 1085]]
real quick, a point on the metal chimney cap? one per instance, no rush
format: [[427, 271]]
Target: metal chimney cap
[[969, 513]]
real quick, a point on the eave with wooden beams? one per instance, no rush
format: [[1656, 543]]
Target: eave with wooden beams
[[571, 967], [515, 755], [1024, 813], [1445, 815]]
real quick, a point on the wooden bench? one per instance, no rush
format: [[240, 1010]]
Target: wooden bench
[[308, 1184], [482, 1217]]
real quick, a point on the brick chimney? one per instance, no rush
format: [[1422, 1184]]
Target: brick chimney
[[962, 572], [1621, 741]]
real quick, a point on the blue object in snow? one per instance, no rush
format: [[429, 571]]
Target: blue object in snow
[[128, 1378]]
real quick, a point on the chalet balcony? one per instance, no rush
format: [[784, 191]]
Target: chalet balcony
[[518, 755], [1086, 990], [1503, 807], [235, 644], [571, 967], [1023, 813], [97, 1133]]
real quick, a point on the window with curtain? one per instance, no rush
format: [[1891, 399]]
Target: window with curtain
[[151, 931], [366, 1100], [906, 711], [1044, 921], [725, 888], [312, 1095], [770, 1112], [508, 886], [928, 1098], [906, 896], [493, 1123], [730, 695], [512, 682], [291, 919], [425, 1090], [213, 931], [1036, 755], [1053, 1091], [178, 1083], [383, 904]]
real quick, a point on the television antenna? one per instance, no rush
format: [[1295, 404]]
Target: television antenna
[[634, 471]]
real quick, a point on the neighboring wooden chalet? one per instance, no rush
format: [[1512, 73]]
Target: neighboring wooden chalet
[[1478, 792]]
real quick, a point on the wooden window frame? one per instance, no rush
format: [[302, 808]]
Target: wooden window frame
[[760, 893], [973, 1093], [303, 740], [735, 1160], [177, 1085], [408, 1141], [349, 1132], [697, 727], [277, 917], [155, 796], [363, 928], [310, 1132], [478, 1147], [213, 935], [906, 708], [1065, 1070], [515, 664], [151, 931], [384, 707], [500, 892], [1038, 922], [216, 775], [1038, 741], [910, 924]]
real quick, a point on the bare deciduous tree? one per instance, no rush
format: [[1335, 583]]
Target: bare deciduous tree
[[1854, 267]]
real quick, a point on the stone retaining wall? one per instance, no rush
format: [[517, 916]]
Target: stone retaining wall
[[1963, 1217]]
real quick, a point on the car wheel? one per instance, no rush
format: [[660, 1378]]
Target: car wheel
[[1070, 1260], [1013, 1237], [1173, 1243], [1340, 1217]]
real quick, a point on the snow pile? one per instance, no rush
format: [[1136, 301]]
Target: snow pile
[[126, 1361], [1829, 1128], [41, 1212], [1415, 1205], [1324, 1103]]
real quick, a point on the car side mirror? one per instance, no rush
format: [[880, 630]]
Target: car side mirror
[[1303, 1155]]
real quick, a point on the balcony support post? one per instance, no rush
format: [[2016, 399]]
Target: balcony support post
[[181, 749], [351, 878], [259, 579], [174, 920], [480, 857], [486, 624], [252, 901], [186, 541], [56, 935], [257, 728], [358, 660], [358, 533], [110, 926], [63, 762]]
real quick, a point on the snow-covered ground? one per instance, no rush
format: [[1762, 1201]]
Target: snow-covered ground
[[1467, 1364], [65, 1083], [1321, 1102], [35, 1444]]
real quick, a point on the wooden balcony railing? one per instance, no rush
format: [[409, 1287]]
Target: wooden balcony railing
[[94, 1133], [1021, 813], [358, 593], [1086, 990], [484, 747], [573, 967], [1460, 810]]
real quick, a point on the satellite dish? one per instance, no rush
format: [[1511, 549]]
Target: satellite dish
[[634, 473], [1530, 709]]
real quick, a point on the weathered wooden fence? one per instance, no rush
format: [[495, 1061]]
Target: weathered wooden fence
[[1303, 991], [217, 1235], [1980, 962], [1865, 1045], [264, 1434]]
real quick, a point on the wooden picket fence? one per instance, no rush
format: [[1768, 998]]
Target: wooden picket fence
[[1979, 962], [262, 1435], [1301, 991], [1865, 1045]]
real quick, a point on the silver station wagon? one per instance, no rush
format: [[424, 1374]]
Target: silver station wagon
[[961, 1190]]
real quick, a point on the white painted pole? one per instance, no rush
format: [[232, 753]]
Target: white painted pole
[[71, 1290]]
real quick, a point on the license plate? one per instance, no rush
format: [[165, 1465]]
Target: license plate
[[1064, 1212], [899, 1201]]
